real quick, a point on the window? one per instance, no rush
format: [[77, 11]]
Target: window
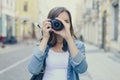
[[7, 2], [0, 25], [93, 4], [25, 6], [11, 2], [116, 21]]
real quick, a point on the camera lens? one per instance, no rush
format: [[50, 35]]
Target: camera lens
[[56, 25]]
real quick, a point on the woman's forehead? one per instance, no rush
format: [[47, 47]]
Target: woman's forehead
[[64, 16]]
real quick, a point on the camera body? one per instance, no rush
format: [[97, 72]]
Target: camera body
[[56, 24]]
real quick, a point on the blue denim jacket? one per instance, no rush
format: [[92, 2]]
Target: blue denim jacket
[[76, 65]]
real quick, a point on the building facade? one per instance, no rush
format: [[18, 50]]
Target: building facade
[[27, 12], [7, 18], [0, 17], [100, 21]]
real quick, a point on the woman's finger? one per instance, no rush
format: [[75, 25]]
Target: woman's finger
[[46, 25], [49, 29], [56, 32], [46, 21]]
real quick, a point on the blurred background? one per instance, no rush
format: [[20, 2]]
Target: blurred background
[[96, 23]]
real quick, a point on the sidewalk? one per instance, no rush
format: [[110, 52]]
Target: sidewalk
[[9, 47], [101, 65], [12, 47]]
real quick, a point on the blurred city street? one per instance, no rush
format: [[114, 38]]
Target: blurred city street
[[14, 60], [95, 22]]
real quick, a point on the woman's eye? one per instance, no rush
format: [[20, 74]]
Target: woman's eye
[[67, 21]]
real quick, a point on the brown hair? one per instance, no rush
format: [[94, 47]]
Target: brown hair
[[52, 15]]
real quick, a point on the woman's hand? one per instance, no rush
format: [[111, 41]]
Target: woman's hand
[[65, 32], [46, 29]]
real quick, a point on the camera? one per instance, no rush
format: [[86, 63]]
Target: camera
[[56, 24]]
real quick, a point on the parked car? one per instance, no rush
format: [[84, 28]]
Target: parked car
[[2, 39], [10, 40]]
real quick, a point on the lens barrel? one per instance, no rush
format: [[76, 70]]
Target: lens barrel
[[57, 25]]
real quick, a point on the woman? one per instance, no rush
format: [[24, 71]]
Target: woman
[[63, 55]]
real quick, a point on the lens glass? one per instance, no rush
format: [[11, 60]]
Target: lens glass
[[56, 24]]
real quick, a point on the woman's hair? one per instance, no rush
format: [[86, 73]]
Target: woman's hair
[[52, 15]]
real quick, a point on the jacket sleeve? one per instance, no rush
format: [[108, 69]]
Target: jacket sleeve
[[36, 62], [79, 63]]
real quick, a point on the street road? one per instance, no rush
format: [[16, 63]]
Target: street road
[[101, 65], [13, 63]]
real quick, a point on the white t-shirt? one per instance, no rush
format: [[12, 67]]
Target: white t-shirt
[[56, 66]]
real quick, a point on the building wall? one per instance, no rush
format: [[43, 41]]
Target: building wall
[[88, 21], [110, 43], [97, 21], [119, 20], [0, 7], [26, 18], [0, 17], [8, 18], [114, 44], [78, 19]]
